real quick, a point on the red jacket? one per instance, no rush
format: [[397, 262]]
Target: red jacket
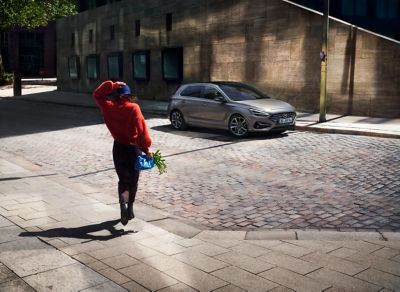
[[122, 117]]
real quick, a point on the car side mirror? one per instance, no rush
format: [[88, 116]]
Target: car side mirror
[[220, 99]]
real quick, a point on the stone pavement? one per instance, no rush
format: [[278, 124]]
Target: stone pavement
[[59, 235], [354, 125]]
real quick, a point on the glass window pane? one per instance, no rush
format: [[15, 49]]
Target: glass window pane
[[92, 67], [141, 65], [172, 64], [393, 8], [192, 91], [347, 8], [73, 67], [381, 8], [114, 67], [361, 7]]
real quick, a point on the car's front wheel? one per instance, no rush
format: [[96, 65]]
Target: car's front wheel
[[177, 120], [238, 126]]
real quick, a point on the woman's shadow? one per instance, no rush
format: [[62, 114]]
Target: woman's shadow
[[83, 232]]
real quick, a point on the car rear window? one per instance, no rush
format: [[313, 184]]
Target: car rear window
[[193, 91]]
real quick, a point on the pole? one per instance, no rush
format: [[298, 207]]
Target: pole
[[324, 63], [14, 45]]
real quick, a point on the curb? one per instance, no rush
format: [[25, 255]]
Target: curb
[[309, 128], [346, 132]]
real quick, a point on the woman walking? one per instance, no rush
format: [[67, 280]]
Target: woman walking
[[126, 124]]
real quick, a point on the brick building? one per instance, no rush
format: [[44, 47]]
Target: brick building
[[272, 44], [34, 51]]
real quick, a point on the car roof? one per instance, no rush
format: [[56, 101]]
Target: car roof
[[215, 83]]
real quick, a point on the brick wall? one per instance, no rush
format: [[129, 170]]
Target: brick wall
[[268, 43]]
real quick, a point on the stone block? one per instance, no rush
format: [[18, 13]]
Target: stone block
[[379, 278], [114, 276], [290, 263], [30, 256], [208, 249], [120, 261], [335, 263], [148, 277], [162, 262], [250, 264], [270, 235], [77, 276], [244, 279], [106, 287], [342, 282], [291, 249], [250, 249], [294, 281], [200, 261], [177, 227]]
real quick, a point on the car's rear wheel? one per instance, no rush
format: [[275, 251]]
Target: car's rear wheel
[[177, 120], [238, 126]]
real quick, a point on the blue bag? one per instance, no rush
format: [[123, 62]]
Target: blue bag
[[143, 162]]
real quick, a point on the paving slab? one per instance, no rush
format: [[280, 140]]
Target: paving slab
[[340, 236], [148, 277], [77, 276], [271, 235], [342, 281], [175, 226], [244, 279], [379, 278], [29, 256], [293, 280]]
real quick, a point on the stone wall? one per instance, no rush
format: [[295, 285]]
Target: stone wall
[[268, 43]]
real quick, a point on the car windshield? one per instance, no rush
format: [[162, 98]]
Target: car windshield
[[238, 92]]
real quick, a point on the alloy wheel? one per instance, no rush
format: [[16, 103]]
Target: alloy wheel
[[177, 120], [238, 126]]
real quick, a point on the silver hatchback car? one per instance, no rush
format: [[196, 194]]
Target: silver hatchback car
[[234, 106]]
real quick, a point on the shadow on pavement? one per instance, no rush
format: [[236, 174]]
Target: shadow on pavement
[[83, 232], [21, 117], [217, 134]]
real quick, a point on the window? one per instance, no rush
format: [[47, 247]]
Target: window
[[387, 8], [73, 67], [168, 22], [347, 8], [114, 66], [112, 32], [361, 7], [211, 93], [393, 8], [192, 91], [90, 36], [381, 9], [137, 27], [92, 67], [172, 63], [73, 39], [141, 65]]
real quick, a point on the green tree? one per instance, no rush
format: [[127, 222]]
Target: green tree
[[31, 14]]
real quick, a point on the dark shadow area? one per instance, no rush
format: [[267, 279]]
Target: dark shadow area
[[217, 134], [374, 120], [23, 177], [21, 117], [83, 232]]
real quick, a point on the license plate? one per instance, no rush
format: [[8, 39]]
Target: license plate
[[286, 121]]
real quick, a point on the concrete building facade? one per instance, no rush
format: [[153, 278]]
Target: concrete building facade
[[274, 45]]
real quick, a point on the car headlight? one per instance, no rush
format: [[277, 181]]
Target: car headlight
[[259, 113]]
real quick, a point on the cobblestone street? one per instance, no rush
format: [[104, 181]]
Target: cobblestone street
[[295, 180]]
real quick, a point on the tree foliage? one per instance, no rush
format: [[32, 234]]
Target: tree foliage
[[33, 13]]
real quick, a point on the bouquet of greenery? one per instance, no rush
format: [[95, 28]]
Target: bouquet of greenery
[[159, 161]]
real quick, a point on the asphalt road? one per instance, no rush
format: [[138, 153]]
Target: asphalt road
[[294, 180]]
